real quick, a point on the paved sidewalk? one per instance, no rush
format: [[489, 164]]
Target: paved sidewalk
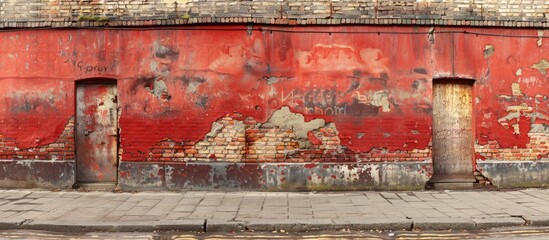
[[268, 211]]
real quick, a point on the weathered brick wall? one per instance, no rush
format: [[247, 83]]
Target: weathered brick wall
[[37, 13], [537, 148], [232, 140]]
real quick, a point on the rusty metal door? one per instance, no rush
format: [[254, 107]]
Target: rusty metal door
[[452, 130], [96, 133]]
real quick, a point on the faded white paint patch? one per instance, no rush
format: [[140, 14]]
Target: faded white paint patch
[[539, 128], [515, 89], [193, 87], [381, 99], [513, 116], [540, 38], [541, 66], [488, 50], [153, 66], [518, 72], [529, 81]]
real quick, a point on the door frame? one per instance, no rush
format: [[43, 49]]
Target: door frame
[[92, 81], [440, 179]]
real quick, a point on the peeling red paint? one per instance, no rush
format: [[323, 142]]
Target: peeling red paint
[[375, 89], [313, 139]]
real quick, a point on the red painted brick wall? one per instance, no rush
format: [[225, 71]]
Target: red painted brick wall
[[200, 94]]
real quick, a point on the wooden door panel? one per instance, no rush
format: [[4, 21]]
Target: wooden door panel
[[452, 129]]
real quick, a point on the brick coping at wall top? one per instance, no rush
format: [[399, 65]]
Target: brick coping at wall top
[[272, 21]]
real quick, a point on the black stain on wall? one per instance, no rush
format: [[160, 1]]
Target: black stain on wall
[[188, 79], [417, 84], [202, 101], [161, 51], [423, 109], [32, 105], [420, 70], [24, 107], [355, 84]]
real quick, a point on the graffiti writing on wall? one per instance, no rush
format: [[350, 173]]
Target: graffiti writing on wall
[[72, 57], [453, 133], [83, 66], [332, 102], [86, 68]]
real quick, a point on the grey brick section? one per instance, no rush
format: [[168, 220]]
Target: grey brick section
[[79, 13]]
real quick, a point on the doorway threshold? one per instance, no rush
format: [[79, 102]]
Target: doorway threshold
[[452, 182], [96, 186]]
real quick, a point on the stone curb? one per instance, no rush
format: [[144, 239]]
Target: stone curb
[[374, 224], [293, 225], [537, 220], [487, 223], [218, 225], [7, 224], [264, 225], [141, 226], [443, 224]]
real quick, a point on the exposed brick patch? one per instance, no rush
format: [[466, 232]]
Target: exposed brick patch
[[233, 140], [61, 149], [536, 149]]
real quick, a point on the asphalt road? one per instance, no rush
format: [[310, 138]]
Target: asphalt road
[[498, 233]]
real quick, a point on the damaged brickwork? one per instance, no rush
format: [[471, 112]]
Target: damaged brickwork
[[61, 149], [285, 137], [526, 125]]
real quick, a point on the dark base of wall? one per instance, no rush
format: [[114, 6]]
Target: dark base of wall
[[36, 174], [267, 176], [515, 174], [274, 176]]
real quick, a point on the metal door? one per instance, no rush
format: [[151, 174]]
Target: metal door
[[96, 132], [452, 129]]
